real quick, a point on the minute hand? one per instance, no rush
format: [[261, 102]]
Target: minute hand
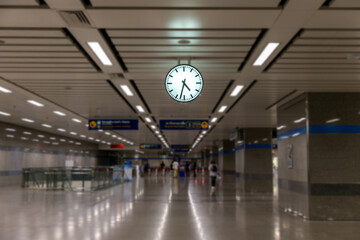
[[186, 86], [182, 89]]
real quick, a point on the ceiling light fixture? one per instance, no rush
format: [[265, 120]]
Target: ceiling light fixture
[[213, 119], [222, 109], [300, 120], [27, 133], [333, 120], [28, 120], [140, 108], [281, 127], [10, 129], [127, 90], [148, 119], [99, 51], [73, 133], [153, 126], [46, 125], [35, 103], [59, 113], [5, 114], [76, 120], [61, 130], [268, 50], [107, 133], [236, 90], [5, 90]]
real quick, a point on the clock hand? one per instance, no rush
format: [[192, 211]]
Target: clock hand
[[182, 89], [187, 86]]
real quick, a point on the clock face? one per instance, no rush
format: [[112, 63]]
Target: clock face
[[184, 83]]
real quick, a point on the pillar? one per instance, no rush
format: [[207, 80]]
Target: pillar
[[318, 149], [254, 160], [214, 154], [226, 157]]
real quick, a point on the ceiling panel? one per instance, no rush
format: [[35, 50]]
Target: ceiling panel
[[345, 4], [19, 3]]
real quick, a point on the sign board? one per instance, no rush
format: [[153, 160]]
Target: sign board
[[150, 146], [184, 124], [113, 124], [181, 148], [117, 146]]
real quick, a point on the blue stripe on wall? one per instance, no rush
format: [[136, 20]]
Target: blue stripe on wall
[[253, 146], [334, 129]]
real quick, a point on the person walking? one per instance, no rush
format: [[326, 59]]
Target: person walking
[[213, 172], [175, 167]]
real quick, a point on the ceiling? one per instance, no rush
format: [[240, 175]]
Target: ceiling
[[44, 56]]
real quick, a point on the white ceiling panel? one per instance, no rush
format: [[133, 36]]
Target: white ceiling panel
[[345, 4], [19, 3]]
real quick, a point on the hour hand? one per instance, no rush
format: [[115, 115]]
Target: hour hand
[[186, 85]]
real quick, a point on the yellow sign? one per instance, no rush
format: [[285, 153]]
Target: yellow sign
[[204, 124], [93, 124]]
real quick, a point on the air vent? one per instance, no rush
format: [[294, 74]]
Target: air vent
[[75, 19]]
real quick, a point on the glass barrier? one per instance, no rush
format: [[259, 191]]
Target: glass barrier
[[72, 179]]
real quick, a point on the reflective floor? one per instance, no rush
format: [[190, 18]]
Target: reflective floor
[[157, 208]]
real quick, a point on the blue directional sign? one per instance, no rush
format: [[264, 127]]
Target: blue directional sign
[[181, 148], [113, 124], [184, 124], [150, 146]]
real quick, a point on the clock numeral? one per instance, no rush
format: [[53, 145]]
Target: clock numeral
[[197, 75], [197, 90], [198, 83], [176, 70], [176, 95], [183, 69], [171, 90], [191, 70], [170, 76], [184, 97], [191, 96], [169, 83]]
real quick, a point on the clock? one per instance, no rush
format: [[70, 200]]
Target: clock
[[184, 83]]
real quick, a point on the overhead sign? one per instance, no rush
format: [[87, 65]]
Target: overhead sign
[[113, 124], [184, 124], [150, 146], [181, 148], [117, 146]]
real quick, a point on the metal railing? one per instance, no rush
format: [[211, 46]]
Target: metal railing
[[72, 179]]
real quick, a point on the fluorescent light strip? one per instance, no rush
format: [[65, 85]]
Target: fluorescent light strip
[[10, 136], [59, 113], [83, 136], [73, 133], [5, 90], [10, 129], [213, 119], [153, 126], [52, 138], [99, 51], [222, 109], [35, 103], [5, 114], [27, 133], [140, 108], [148, 119], [333, 120], [127, 90], [107, 133], [28, 120], [299, 120], [46, 125], [281, 127], [268, 50], [236, 90], [76, 120], [61, 130]]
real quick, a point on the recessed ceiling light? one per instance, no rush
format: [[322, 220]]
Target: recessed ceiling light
[[46, 125], [46, 142], [127, 90], [73, 133], [148, 119], [281, 127], [300, 120], [184, 41], [27, 133], [61, 130], [153, 126], [35, 103], [140, 108], [35, 140], [5, 90], [55, 143], [62, 140], [28, 120], [59, 113], [119, 138], [333, 120], [268, 50], [5, 114], [236, 90], [10, 129], [204, 132], [78, 143], [107, 133], [157, 132], [100, 130], [10, 136], [213, 119], [83, 136], [24, 138], [222, 109], [76, 120], [99, 51], [53, 138], [97, 140], [114, 136], [91, 138], [41, 136]]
